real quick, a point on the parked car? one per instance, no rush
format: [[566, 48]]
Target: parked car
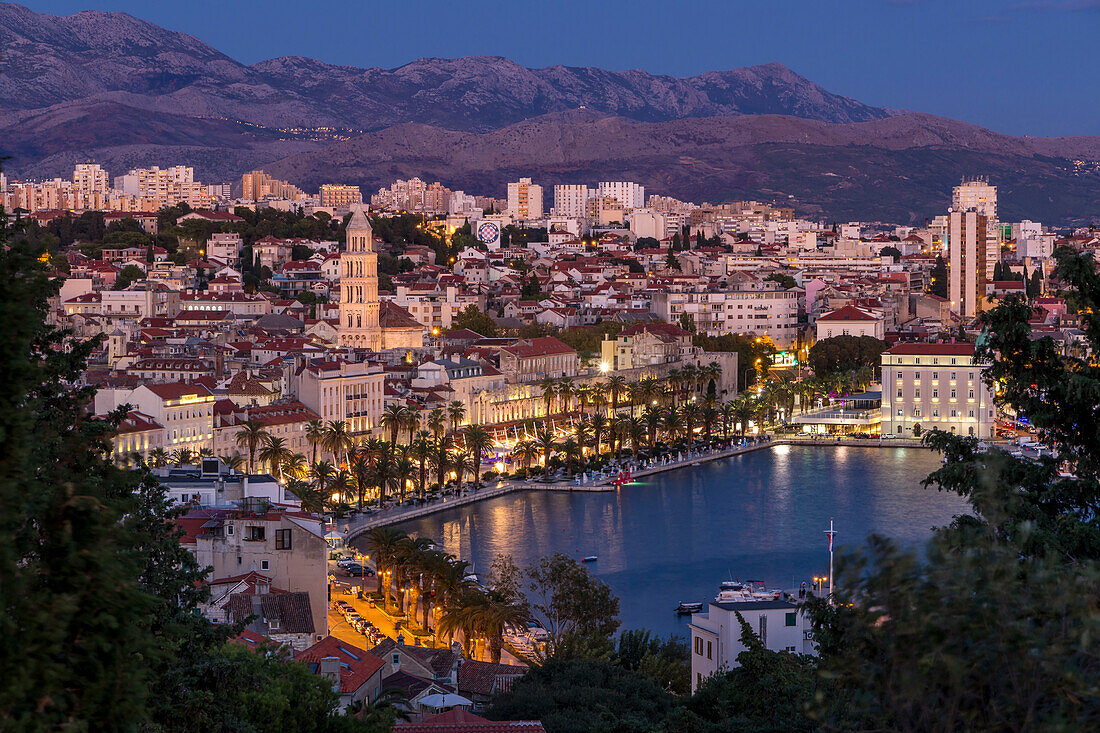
[[359, 570]]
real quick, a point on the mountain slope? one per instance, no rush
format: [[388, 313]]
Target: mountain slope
[[900, 169], [49, 60]]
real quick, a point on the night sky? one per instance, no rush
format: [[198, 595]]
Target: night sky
[[1023, 67]]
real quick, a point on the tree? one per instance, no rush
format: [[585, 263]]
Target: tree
[[128, 274], [582, 695], [478, 441], [687, 322], [250, 436], [890, 252], [671, 262], [785, 281], [570, 602], [937, 284], [473, 318], [846, 354]]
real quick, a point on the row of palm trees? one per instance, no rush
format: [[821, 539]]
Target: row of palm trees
[[415, 578], [691, 381]]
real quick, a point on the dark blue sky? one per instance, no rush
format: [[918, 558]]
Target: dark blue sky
[[1017, 66]]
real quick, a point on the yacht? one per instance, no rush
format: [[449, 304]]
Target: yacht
[[734, 591]]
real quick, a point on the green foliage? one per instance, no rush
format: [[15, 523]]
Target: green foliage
[[582, 695], [473, 318], [671, 262], [846, 354], [748, 349], [785, 280], [937, 283], [646, 243], [570, 602], [666, 662], [687, 322], [129, 274], [587, 340], [891, 252]]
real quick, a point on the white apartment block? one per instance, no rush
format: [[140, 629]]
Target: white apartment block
[[629, 195], [935, 386], [341, 390], [571, 200], [435, 308], [186, 411], [716, 634], [771, 313], [525, 199]]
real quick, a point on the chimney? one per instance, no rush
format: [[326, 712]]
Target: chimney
[[330, 667]]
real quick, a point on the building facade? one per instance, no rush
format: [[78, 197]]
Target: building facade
[[927, 386], [359, 286]]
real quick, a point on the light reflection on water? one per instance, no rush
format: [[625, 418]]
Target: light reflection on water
[[674, 536]]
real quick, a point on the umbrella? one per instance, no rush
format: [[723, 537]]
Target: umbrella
[[444, 700]]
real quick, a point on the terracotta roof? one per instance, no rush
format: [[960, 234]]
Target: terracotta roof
[[933, 349], [176, 390], [357, 665], [541, 346], [486, 678], [847, 313], [290, 609], [462, 721]]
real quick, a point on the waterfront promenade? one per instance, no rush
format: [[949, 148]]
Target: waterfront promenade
[[357, 525]]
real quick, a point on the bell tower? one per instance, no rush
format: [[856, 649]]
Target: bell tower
[[359, 285]]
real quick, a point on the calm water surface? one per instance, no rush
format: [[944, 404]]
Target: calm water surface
[[673, 538]]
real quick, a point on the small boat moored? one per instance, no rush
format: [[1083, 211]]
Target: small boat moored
[[688, 608], [590, 558]]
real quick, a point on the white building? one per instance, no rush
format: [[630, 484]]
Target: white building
[[968, 265], [979, 196], [716, 634], [571, 200], [771, 313], [935, 386], [648, 223], [525, 200], [850, 321], [629, 195]]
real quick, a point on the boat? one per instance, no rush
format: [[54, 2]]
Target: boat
[[590, 558], [688, 608], [734, 591]]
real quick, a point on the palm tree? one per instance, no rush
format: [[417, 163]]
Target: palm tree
[[449, 582], [651, 416], [581, 433], [295, 465], [675, 380], [636, 394], [549, 387], [360, 468], [403, 468], [744, 409], [421, 452], [158, 457], [323, 473], [711, 372], [487, 615], [728, 415], [234, 462], [393, 418], [383, 543], [250, 436], [616, 385], [384, 465], [315, 434], [406, 560], [274, 453], [441, 451], [617, 431], [460, 461], [337, 440], [525, 451], [545, 441], [478, 441], [689, 413], [571, 451], [599, 424], [672, 423], [183, 457], [636, 430], [437, 421], [566, 391], [205, 453], [709, 415], [313, 499], [456, 411], [342, 482]]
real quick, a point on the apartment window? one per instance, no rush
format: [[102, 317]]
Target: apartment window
[[265, 565], [935, 393], [971, 375], [935, 375], [790, 621], [395, 660], [901, 413], [229, 529], [916, 412], [699, 646], [255, 534], [899, 391], [935, 412], [971, 394], [971, 414], [952, 394], [953, 413], [709, 650], [916, 394]]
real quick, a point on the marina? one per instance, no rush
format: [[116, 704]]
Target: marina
[[674, 536]]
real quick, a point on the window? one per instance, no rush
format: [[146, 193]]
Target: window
[[699, 645], [916, 394], [790, 621], [935, 393], [971, 394], [265, 565], [952, 394], [899, 392], [282, 539], [901, 412], [395, 659], [255, 534], [935, 375], [709, 650], [229, 529]]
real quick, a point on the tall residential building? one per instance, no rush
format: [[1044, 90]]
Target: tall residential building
[[571, 200], [359, 285], [968, 267], [257, 186], [339, 196], [981, 197], [525, 199], [161, 187], [90, 178], [629, 195]]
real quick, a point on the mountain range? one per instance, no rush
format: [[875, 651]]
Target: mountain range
[[124, 92]]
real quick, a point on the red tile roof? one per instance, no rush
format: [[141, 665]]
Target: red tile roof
[[847, 313], [357, 665], [933, 349]]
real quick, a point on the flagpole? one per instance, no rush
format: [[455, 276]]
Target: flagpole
[[830, 533]]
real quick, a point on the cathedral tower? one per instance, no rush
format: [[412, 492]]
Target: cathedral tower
[[359, 285]]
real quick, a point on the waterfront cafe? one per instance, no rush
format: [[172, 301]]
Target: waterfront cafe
[[857, 413]]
